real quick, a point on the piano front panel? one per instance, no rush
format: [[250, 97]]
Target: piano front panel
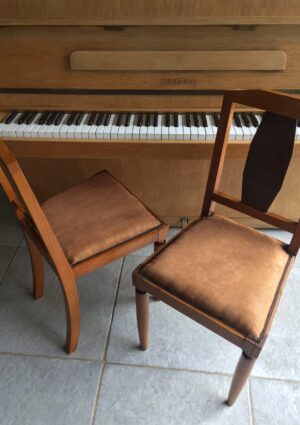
[[39, 57], [145, 12]]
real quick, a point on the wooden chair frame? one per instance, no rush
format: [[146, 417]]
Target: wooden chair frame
[[42, 242], [271, 101]]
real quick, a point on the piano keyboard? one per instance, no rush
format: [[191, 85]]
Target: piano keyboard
[[139, 126]]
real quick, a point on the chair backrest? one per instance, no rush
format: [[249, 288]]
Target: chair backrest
[[267, 162], [29, 211]]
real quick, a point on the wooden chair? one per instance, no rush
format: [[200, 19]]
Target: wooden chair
[[224, 275], [79, 230]]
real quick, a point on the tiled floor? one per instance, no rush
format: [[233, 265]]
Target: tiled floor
[[181, 379]]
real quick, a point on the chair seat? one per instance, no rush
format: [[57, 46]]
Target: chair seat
[[96, 215], [228, 271]]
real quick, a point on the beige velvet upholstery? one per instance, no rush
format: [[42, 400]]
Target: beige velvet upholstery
[[95, 215], [225, 269]]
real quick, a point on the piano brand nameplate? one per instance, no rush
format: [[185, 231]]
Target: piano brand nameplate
[[253, 60]]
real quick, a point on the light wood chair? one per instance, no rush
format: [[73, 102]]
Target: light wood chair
[[222, 274], [87, 226]]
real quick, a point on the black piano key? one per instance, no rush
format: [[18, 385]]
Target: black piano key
[[71, 118], [10, 117], [79, 118], [51, 118], [196, 119], [148, 120], [119, 119], [23, 117], [42, 118], [246, 119], [106, 119], [254, 120], [175, 118], [204, 120], [99, 119], [30, 117], [92, 118], [237, 120], [187, 120], [140, 120], [127, 120], [216, 119], [155, 120], [167, 120], [58, 118]]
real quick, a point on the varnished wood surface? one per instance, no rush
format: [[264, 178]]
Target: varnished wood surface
[[226, 60], [143, 12], [41, 57]]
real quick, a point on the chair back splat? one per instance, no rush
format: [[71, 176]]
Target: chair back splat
[[268, 159], [267, 162]]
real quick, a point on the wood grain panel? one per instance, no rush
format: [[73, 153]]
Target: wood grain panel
[[226, 60], [143, 12], [41, 57]]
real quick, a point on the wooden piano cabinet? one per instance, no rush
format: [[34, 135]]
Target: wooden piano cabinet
[[41, 57], [36, 43]]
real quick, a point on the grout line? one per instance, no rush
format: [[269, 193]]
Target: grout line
[[113, 312], [251, 401], [97, 396], [171, 369], [16, 248], [45, 356]]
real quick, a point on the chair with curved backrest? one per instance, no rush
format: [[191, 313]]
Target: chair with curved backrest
[[224, 275], [83, 228]]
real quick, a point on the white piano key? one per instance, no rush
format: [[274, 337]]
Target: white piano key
[[85, 127], [209, 134], [10, 131], [212, 124], [108, 127], [150, 129], [157, 130], [172, 128], [143, 128], [64, 127], [136, 128], [129, 129], [186, 129], [246, 130], [97, 131], [114, 128], [164, 129], [122, 128], [31, 127], [179, 129], [19, 131]]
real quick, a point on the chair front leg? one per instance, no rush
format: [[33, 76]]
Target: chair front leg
[[142, 313], [37, 267], [241, 374], [71, 299]]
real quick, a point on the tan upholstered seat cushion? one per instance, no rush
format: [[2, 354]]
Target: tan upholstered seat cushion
[[95, 215], [225, 269]]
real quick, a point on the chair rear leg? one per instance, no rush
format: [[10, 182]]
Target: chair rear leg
[[142, 314], [158, 245], [241, 374], [37, 268]]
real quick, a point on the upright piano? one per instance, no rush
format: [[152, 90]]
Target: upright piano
[[135, 87]]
